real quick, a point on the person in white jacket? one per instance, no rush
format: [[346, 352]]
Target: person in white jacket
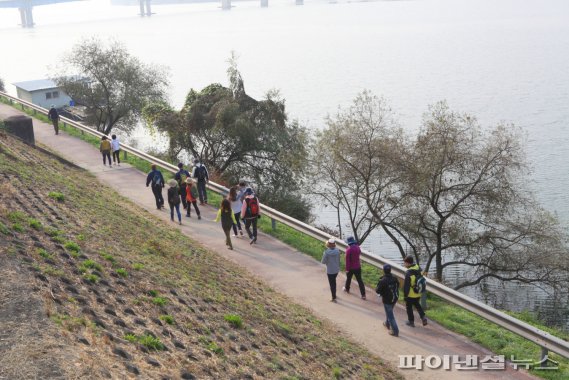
[[116, 149]]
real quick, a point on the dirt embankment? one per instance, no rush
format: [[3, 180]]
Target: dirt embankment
[[91, 286]]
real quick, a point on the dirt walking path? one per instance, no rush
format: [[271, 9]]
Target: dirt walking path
[[289, 272]]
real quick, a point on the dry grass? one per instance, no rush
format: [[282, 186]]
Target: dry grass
[[84, 323]]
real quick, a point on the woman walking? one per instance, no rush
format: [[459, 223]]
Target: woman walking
[[225, 213], [116, 148], [236, 205], [105, 149], [331, 258], [353, 266], [174, 200], [192, 198]]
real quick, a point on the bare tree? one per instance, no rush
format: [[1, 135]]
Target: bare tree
[[455, 195], [112, 85]]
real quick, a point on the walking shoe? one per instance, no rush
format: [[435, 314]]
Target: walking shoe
[[333, 300], [425, 322], [393, 334], [188, 216], [410, 324], [234, 235], [230, 248], [255, 239], [346, 290], [180, 222], [386, 325], [364, 297], [199, 217], [172, 219], [252, 241], [241, 232]]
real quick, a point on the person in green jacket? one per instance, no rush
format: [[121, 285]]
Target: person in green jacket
[[225, 213], [411, 297]]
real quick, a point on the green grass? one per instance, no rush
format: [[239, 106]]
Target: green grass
[[168, 319], [73, 248], [86, 265], [45, 254], [57, 196], [18, 227], [159, 301], [122, 272], [17, 217], [146, 340], [234, 320], [137, 266], [110, 258], [91, 277], [35, 224], [4, 229]]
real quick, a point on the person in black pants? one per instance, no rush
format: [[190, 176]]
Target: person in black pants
[[412, 298], [157, 180], [353, 266]]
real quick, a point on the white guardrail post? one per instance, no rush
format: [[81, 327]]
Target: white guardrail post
[[545, 340]]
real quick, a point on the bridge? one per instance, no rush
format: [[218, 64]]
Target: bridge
[[27, 19]]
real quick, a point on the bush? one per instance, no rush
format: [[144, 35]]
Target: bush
[[234, 320], [57, 196]]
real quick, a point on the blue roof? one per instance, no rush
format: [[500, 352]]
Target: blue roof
[[35, 85]]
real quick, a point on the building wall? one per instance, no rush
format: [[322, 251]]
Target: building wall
[[24, 95], [41, 99]]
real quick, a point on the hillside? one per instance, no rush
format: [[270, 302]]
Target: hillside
[[92, 286]]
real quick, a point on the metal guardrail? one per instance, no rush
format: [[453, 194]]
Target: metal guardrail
[[544, 339]]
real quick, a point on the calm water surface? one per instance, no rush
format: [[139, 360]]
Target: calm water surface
[[504, 60]]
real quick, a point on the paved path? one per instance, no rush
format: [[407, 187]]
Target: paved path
[[287, 271]]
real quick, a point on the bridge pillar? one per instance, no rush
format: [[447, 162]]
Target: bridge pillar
[[26, 15], [226, 4], [148, 11], [299, 2], [264, 3]]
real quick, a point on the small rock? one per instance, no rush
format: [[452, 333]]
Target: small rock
[[50, 262], [65, 280], [128, 310], [84, 341], [153, 362], [71, 289], [101, 300], [256, 346], [121, 283], [88, 311], [41, 277], [139, 322], [103, 282], [99, 323], [187, 376], [181, 300], [119, 322], [156, 321], [173, 292], [113, 274], [243, 348], [143, 348], [191, 356], [148, 332], [132, 369], [81, 300], [110, 311], [38, 245], [178, 344], [65, 255], [120, 352]]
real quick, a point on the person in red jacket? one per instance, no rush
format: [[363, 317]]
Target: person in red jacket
[[353, 266]]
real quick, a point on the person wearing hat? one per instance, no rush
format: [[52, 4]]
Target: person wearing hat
[[157, 180], [54, 117], [191, 198], [200, 173], [174, 200], [250, 212], [388, 289], [331, 258], [353, 266], [411, 297]]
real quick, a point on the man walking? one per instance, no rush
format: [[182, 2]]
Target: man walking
[[353, 266], [200, 173], [181, 176], [157, 180], [388, 289], [250, 212], [411, 297], [54, 117]]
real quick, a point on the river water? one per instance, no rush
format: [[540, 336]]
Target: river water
[[501, 60]]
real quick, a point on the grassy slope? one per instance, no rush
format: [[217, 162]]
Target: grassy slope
[[120, 284]]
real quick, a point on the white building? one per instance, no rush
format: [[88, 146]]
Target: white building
[[42, 92]]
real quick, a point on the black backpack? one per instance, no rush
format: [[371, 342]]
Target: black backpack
[[392, 290], [201, 173]]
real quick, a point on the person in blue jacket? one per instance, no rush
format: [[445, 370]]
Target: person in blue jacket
[[156, 179]]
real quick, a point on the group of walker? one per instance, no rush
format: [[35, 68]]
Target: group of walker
[[387, 288], [186, 189]]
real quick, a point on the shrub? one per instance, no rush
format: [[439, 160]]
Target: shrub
[[122, 272], [107, 257], [34, 223], [91, 277], [90, 264], [146, 340], [71, 246], [57, 196], [234, 320], [45, 254], [18, 227], [137, 266], [16, 216], [168, 319], [160, 301]]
